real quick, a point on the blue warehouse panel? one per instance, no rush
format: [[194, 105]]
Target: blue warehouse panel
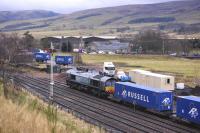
[[150, 98]]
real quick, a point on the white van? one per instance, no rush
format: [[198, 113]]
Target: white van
[[109, 69]]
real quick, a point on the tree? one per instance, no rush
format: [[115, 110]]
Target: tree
[[28, 40], [186, 46], [45, 43], [2, 48], [195, 43], [9, 48], [150, 41]]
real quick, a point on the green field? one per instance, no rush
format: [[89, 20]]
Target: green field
[[184, 70]]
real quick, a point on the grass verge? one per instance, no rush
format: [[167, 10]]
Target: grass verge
[[22, 112]]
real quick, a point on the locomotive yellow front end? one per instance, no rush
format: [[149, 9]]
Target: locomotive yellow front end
[[110, 86]]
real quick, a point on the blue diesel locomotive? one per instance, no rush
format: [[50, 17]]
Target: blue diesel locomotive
[[84, 79]]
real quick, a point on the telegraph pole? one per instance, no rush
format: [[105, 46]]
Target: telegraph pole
[[51, 76], [163, 46]]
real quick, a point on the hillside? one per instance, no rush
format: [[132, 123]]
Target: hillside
[[178, 16], [25, 15], [19, 20]]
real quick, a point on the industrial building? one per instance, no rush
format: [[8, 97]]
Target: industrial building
[[90, 43]]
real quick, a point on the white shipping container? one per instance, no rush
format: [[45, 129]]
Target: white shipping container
[[153, 80], [136, 75]]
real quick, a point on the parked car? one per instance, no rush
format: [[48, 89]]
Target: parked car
[[93, 53], [173, 54], [111, 53], [101, 52]]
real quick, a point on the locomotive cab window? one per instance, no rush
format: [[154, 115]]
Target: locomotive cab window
[[95, 83], [113, 83], [108, 83], [110, 68], [73, 77]]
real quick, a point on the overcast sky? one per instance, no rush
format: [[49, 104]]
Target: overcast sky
[[67, 6]]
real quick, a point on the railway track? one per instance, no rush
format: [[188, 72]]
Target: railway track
[[111, 115], [85, 110], [153, 118]]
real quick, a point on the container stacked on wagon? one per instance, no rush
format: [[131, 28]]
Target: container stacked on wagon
[[154, 92]]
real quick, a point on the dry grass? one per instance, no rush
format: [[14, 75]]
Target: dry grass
[[184, 70], [15, 119], [27, 114]]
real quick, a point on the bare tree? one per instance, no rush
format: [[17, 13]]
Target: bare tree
[[151, 41], [186, 46], [9, 47], [2, 48], [28, 40]]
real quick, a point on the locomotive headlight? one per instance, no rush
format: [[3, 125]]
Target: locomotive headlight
[[109, 89]]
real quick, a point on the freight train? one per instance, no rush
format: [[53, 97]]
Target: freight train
[[158, 100]]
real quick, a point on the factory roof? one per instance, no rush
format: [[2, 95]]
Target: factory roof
[[84, 37]]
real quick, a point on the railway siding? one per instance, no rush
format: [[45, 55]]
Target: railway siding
[[104, 112]]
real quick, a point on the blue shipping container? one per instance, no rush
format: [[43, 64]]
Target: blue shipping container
[[155, 99], [42, 56], [64, 60], [188, 107]]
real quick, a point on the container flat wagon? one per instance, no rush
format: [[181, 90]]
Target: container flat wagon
[[149, 98], [188, 108]]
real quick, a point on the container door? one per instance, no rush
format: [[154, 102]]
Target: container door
[[168, 84]]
